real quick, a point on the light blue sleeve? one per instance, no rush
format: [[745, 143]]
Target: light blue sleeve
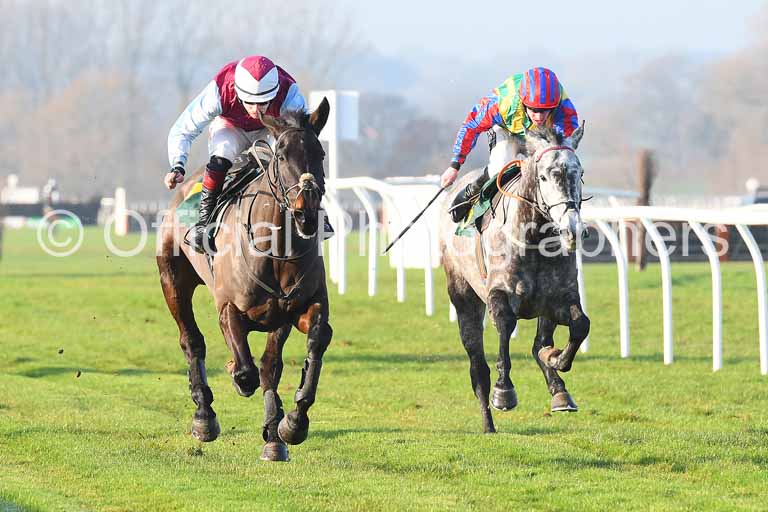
[[198, 114], [294, 100]]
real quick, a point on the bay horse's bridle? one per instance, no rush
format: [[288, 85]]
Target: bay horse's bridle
[[280, 193]]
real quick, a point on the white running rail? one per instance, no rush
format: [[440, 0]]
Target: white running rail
[[741, 218]]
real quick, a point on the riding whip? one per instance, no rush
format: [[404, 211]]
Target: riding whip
[[417, 217]]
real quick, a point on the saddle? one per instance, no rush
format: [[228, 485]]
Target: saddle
[[476, 219]]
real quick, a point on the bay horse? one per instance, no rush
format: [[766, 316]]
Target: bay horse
[[526, 277], [268, 283]]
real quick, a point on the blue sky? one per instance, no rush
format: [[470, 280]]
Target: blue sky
[[655, 26]]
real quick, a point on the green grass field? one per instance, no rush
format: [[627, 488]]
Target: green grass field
[[395, 426]]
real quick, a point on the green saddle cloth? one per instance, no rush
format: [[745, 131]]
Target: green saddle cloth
[[483, 201], [189, 210]]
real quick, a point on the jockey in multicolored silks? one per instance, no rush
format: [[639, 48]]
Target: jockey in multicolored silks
[[231, 104], [523, 101]]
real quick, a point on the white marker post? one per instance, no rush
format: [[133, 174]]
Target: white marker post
[[121, 212], [342, 124]]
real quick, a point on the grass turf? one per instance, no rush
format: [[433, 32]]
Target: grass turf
[[395, 426]]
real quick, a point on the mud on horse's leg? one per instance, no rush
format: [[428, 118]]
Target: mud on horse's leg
[[270, 371], [179, 281], [561, 399], [505, 320], [294, 428]]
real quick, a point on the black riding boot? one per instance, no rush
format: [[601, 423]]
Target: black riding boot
[[196, 236], [463, 201]]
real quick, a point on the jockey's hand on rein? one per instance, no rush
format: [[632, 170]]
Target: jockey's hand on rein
[[174, 176]]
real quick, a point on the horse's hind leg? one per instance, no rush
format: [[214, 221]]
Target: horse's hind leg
[[294, 427], [470, 311], [561, 399], [269, 372], [179, 281], [578, 329], [504, 395], [233, 324]]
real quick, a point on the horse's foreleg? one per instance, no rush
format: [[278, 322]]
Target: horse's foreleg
[[561, 399], [294, 427], [578, 327], [179, 280], [270, 372], [245, 376], [505, 320]]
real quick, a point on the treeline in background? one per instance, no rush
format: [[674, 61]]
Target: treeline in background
[[89, 89]]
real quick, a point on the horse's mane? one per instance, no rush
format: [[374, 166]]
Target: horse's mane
[[547, 134], [291, 119]]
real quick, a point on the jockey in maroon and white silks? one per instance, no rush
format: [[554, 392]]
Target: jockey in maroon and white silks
[[230, 104], [221, 99]]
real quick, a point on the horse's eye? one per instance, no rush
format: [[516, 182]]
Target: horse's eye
[[280, 157], [542, 177]]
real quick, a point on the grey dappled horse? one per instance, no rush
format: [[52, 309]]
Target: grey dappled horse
[[531, 271]]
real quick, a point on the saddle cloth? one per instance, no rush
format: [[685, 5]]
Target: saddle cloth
[[487, 200]]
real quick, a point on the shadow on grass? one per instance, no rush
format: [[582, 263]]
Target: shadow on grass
[[658, 358], [396, 358], [579, 463], [343, 432], [76, 275], [50, 371], [8, 506]]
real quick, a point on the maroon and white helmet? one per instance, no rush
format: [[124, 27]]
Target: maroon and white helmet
[[256, 79]]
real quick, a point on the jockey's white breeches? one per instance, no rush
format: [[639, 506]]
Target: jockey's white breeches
[[228, 141], [508, 147]]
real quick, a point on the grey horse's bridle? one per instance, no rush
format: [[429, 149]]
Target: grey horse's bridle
[[570, 203]]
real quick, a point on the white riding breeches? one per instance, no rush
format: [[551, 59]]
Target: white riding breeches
[[228, 141], [508, 147]]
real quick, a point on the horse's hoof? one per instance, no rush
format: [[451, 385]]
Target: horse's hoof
[[562, 402], [552, 357], [504, 399], [293, 431], [205, 430], [549, 356], [275, 451], [245, 382]]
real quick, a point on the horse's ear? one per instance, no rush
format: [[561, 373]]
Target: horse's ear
[[575, 137], [319, 117]]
